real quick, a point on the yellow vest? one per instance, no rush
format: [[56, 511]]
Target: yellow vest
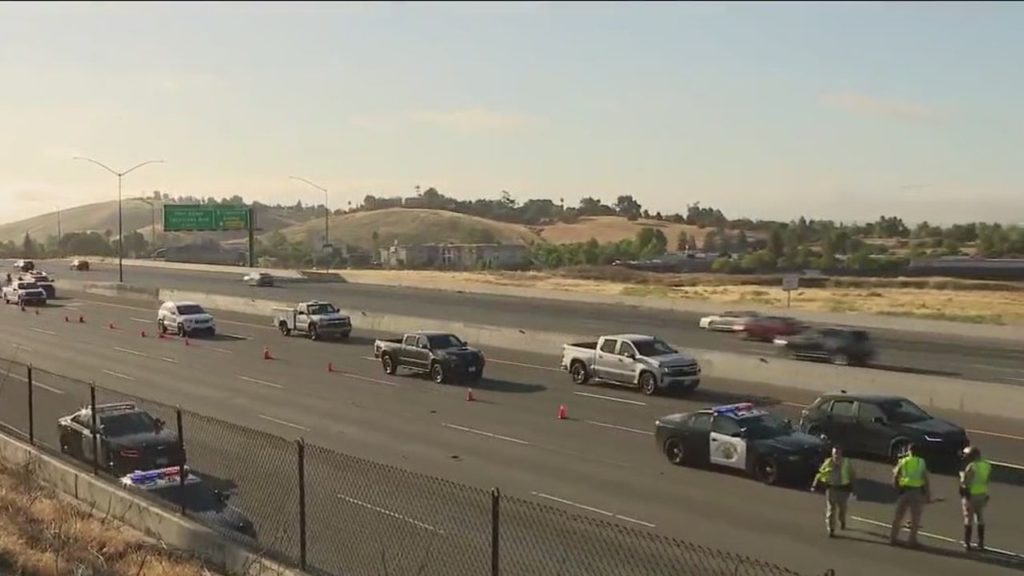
[[825, 472], [979, 484], [912, 470]]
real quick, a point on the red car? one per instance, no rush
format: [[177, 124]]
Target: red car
[[768, 328]]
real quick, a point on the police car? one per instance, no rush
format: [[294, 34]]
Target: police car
[[741, 437], [206, 505]]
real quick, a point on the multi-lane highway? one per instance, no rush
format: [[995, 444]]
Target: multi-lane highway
[[934, 354], [601, 462]]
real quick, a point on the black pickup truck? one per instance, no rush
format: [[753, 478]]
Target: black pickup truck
[[444, 356]]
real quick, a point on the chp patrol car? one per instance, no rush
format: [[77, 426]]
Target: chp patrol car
[[744, 438], [202, 503]]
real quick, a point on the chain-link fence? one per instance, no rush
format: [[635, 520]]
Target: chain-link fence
[[331, 513]]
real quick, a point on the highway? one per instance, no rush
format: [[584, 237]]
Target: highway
[[940, 355], [601, 462]]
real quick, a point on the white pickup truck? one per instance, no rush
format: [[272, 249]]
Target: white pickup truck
[[316, 319], [632, 360], [24, 292]]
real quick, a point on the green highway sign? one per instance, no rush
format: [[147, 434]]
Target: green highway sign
[[201, 218]]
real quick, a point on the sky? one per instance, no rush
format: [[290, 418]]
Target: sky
[[765, 110]]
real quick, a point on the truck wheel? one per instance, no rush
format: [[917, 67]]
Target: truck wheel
[[767, 470], [579, 373], [839, 359], [674, 451], [437, 373], [388, 364], [313, 333], [648, 385], [285, 330]]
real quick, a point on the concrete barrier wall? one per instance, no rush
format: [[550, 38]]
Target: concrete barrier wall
[[172, 529], [985, 398]]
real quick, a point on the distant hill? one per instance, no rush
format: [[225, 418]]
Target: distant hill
[[613, 229]]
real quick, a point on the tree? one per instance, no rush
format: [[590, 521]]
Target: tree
[[29, 248], [135, 243], [628, 207], [776, 243], [742, 243], [711, 242], [683, 241], [650, 242], [591, 252]]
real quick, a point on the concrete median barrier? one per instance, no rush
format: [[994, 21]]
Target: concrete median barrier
[[167, 527], [942, 392], [113, 289]]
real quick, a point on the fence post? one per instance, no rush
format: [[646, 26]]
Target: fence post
[[31, 411], [301, 445], [95, 430], [181, 454], [495, 530]]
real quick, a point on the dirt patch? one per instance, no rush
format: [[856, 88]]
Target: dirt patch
[[42, 534]]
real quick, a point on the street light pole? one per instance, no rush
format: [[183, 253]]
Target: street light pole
[[327, 211], [120, 216]]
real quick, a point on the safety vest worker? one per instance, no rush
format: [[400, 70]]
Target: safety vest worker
[[912, 472], [974, 494]]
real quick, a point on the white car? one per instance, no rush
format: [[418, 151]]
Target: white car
[[731, 321], [258, 279], [185, 319]]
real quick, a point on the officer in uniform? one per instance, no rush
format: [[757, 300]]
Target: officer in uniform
[[837, 475], [910, 476], [974, 494]]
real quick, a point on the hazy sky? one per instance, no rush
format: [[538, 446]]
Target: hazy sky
[[765, 110]]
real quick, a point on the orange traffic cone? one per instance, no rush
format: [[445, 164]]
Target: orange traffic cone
[[469, 395], [81, 319], [142, 333], [66, 319], [330, 366], [110, 325], [266, 353], [563, 412]]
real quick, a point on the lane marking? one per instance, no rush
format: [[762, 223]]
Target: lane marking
[[996, 434], [521, 364], [221, 350], [118, 374], [592, 509], [257, 381], [41, 331], [886, 525], [794, 404], [389, 513], [1012, 378], [283, 422], [35, 383], [239, 336], [140, 320], [617, 427], [990, 367], [366, 379], [482, 433], [612, 398], [129, 351], [20, 347], [171, 360]]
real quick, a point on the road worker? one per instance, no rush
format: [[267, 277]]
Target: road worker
[[910, 477], [974, 494], [836, 475]]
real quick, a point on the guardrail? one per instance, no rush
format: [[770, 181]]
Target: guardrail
[[335, 514]]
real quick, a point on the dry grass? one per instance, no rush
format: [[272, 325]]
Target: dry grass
[[933, 298], [613, 229], [44, 535]]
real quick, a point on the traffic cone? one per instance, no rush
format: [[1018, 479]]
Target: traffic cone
[[330, 366], [266, 353], [469, 395], [37, 311], [110, 325], [142, 333], [81, 319], [66, 319], [563, 412]]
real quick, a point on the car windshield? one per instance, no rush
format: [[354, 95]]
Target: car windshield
[[653, 348], [27, 285], [189, 309], [444, 341], [197, 497], [128, 423], [322, 309], [903, 411], [765, 426]]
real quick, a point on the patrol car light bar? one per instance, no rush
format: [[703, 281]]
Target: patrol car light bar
[[114, 407], [741, 407], [158, 478]]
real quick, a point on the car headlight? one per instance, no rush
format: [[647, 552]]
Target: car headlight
[[932, 438], [665, 369]]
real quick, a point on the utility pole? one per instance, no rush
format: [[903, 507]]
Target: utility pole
[[327, 211], [120, 216], [58, 232]]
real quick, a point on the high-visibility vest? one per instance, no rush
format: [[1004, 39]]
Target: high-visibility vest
[[912, 470], [825, 473], [979, 484]]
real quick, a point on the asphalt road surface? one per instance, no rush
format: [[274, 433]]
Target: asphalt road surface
[[935, 354], [601, 463]]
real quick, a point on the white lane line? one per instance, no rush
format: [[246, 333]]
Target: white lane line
[[171, 360], [617, 427], [140, 320], [366, 379], [221, 350], [1007, 465], [41, 331], [482, 433], [25, 348], [257, 381], [390, 513], [794, 404], [118, 374], [591, 509], [612, 398], [35, 383], [990, 367], [129, 351], [886, 525], [368, 358], [283, 422], [522, 365], [996, 434], [238, 336]]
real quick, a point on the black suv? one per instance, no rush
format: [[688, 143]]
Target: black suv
[[836, 345], [129, 438], [883, 426]]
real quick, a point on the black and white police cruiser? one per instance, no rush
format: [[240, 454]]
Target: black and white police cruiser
[[741, 437]]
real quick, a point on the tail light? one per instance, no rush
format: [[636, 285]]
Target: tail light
[[130, 453]]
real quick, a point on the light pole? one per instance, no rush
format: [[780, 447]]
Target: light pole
[[327, 211], [120, 231]]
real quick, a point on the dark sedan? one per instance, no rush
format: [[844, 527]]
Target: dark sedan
[[128, 438], [744, 438], [843, 346]]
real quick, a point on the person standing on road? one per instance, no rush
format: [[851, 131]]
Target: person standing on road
[[974, 494], [837, 475], [910, 476]]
